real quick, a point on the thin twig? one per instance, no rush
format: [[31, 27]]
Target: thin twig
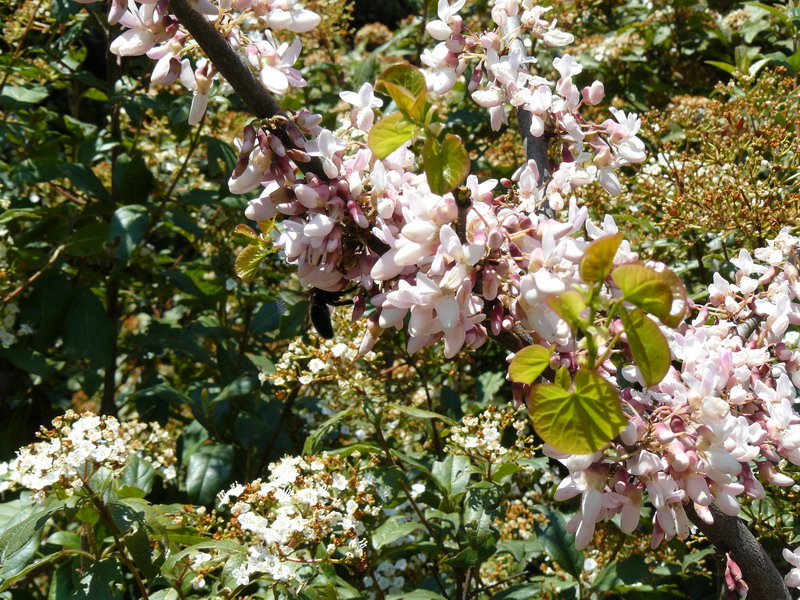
[[35, 276]]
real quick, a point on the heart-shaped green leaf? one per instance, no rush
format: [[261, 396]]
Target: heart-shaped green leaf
[[645, 288], [680, 299], [529, 363], [648, 345], [388, 134], [406, 86], [446, 164], [578, 421], [599, 258], [569, 307]]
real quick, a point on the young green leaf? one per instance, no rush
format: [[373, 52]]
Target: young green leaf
[[648, 345], [578, 421], [644, 287], [249, 260], [388, 134], [569, 307], [680, 299], [529, 363], [406, 86], [446, 164], [599, 258]]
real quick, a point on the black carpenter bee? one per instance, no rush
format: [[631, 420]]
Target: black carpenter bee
[[320, 310]]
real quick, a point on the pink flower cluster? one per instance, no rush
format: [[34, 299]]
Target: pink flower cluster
[[715, 428], [151, 30], [589, 151]]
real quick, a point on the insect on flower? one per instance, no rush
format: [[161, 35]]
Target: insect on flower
[[320, 310]]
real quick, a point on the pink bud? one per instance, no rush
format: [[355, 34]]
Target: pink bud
[[593, 94], [359, 306], [295, 135], [495, 239], [677, 456], [276, 145], [496, 318], [771, 475], [475, 80]]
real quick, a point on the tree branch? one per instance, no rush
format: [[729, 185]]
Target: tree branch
[[731, 535], [535, 147], [230, 65]]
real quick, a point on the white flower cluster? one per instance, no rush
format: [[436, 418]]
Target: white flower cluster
[[78, 445], [716, 428], [304, 502], [480, 435]]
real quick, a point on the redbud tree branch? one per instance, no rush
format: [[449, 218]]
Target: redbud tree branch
[[260, 102], [728, 534], [231, 66]]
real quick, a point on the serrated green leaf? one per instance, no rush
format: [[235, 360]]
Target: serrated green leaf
[[421, 413], [529, 363], [98, 583], [393, 530], [452, 474], [577, 421], [648, 345], [599, 258], [645, 288], [138, 476], [558, 542], [208, 471], [446, 164]]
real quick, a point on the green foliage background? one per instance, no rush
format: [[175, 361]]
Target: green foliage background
[[118, 291]]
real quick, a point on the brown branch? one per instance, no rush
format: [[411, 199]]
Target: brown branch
[[230, 65], [535, 147], [731, 535]]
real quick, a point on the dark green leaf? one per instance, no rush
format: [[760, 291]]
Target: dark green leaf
[[558, 542], [128, 226], [99, 582], [83, 178], [208, 471], [393, 530], [87, 330], [314, 441], [452, 474]]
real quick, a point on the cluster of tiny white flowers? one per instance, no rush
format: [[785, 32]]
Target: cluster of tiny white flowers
[[80, 444], [8, 317], [303, 503], [480, 435]]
